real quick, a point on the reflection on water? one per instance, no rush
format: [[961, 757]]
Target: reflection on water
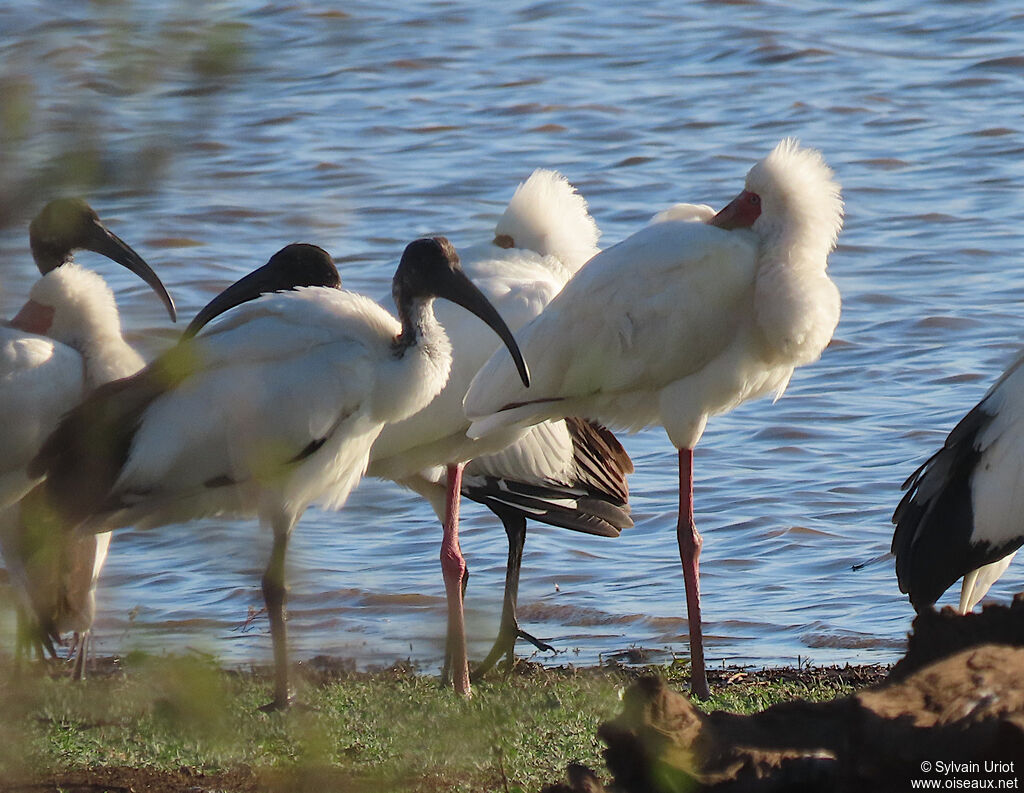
[[208, 144]]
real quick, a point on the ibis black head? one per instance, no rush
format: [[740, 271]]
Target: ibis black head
[[430, 268], [293, 266], [425, 263], [66, 225]]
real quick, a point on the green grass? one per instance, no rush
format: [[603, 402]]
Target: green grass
[[389, 731]]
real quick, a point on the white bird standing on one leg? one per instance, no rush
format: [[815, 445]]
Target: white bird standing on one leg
[[268, 411], [962, 513], [682, 321], [64, 342]]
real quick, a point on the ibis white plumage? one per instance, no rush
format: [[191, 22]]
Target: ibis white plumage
[[684, 320], [543, 237], [66, 339], [271, 409], [962, 512], [64, 342], [545, 234]]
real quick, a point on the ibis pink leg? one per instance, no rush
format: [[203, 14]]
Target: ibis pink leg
[[690, 543], [453, 567]]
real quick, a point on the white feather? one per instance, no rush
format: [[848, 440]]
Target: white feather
[[683, 320], [996, 492], [42, 377], [553, 235], [286, 371]]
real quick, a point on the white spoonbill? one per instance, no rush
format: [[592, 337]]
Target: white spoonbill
[[684, 320], [962, 512], [543, 237], [266, 412], [64, 342]]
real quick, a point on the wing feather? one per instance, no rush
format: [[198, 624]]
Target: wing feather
[[40, 380], [664, 289], [243, 403], [963, 506]]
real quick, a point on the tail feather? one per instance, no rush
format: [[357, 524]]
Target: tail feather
[[601, 461], [593, 498], [556, 506], [933, 541]]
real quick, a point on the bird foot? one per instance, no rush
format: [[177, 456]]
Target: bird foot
[[281, 704], [504, 645], [540, 644], [292, 705]]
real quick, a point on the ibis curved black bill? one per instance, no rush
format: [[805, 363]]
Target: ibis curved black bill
[[291, 267], [104, 242], [459, 289]]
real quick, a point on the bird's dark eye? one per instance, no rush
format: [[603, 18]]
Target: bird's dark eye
[[754, 199]]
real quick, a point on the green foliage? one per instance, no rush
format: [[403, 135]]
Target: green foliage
[[67, 94], [388, 731]]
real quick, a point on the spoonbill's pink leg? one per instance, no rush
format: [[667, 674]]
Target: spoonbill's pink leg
[[690, 543]]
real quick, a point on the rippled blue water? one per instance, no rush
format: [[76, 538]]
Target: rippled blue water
[[218, 140]]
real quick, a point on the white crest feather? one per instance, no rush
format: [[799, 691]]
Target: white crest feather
[[548, 216]]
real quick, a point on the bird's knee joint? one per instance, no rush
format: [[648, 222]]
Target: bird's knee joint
[[690, 539], [452, 562]]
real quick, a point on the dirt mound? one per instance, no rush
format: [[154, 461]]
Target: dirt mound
[[939, 634], [952, 714]]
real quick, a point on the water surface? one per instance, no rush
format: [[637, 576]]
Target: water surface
[[209, 135]]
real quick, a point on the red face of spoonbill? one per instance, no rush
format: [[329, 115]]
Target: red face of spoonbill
[[741, 212], [34, 318]]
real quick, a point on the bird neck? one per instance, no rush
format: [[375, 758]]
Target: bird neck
[[801, 231], [109, 357], [419, 367], [86, 319], [793, 246], [48, 256], [796, 305], [420, 327]]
